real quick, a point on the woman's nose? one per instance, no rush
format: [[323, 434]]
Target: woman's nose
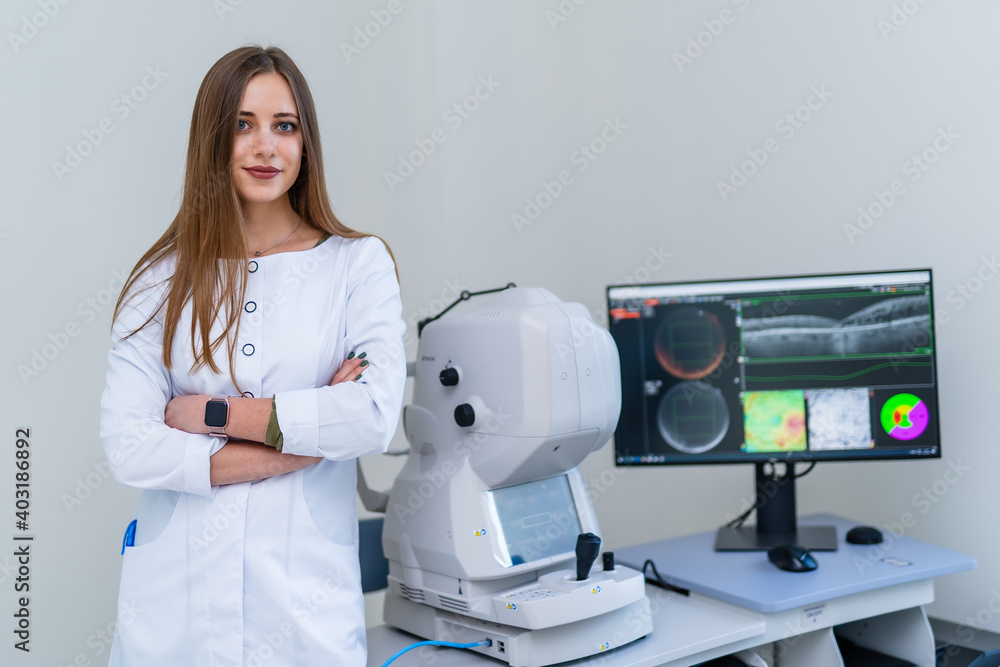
[[263, 143]]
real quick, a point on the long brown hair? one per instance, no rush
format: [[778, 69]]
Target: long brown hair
[[207, 235]]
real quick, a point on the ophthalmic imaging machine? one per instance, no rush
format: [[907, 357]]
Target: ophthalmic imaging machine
[[489, 531]]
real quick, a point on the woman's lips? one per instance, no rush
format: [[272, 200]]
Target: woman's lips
[[263, 173]]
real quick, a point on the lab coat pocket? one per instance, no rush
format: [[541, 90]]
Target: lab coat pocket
[[328, 490], [152, 515], [154, 620], [328, 601]]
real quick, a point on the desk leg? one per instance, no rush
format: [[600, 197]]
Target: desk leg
[[816, 649], [904, 634]]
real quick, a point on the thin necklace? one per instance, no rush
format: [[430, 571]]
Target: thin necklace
[[257, 254]]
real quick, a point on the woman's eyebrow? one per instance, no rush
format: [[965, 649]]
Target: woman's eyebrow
[[280, 114]]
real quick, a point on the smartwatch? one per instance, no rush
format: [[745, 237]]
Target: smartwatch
[[217, 415]]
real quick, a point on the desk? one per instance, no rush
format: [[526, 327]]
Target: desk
[[739, 601]]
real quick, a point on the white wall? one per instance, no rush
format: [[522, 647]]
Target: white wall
[[652, 192]]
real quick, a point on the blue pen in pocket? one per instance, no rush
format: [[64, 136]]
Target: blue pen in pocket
[[129, 539]]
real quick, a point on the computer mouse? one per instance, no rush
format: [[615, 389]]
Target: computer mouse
[[792, 558], [864, 535]]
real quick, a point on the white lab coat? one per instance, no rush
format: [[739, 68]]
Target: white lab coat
[[267, 572]]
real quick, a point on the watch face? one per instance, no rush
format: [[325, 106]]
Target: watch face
[[216, 414]]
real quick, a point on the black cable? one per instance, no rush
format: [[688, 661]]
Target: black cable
[[741, 519], [660, 581], [464, 296], [812, 464]]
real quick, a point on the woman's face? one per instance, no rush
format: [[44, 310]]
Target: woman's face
[[267, 152]]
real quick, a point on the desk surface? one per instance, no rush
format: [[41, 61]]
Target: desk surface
[[748, 579]]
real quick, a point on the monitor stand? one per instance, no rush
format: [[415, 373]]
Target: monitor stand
[[776, 525]]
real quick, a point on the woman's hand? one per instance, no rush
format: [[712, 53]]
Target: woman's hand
[[351, 369], [187, 413]]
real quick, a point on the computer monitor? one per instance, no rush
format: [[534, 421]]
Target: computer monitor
[[777, 371]]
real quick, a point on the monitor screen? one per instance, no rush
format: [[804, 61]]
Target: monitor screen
[[804, 368]]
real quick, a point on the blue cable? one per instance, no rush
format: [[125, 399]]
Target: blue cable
[[481, 642]]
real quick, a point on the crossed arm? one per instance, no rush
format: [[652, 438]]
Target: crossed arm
[[244, 458]]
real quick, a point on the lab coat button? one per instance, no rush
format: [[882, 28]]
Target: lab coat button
[[250, 306], [248, 349], [252, 266]]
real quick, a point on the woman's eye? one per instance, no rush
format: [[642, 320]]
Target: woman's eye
[[241, 124], [286, 127]]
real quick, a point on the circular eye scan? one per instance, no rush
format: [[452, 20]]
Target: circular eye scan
[[905, 417], [693, 417], [689, 343]]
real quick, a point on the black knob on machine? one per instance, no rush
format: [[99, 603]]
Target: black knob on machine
[[449, 377], [588, 546], [465, 415]]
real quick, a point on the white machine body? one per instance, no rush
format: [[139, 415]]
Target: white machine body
[[482, 522]]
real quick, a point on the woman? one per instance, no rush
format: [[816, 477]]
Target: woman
[[258, 351]]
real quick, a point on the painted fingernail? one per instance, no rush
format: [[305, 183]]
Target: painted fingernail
[[364, 363], [362, 355], [350, 356], [357, 378]]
